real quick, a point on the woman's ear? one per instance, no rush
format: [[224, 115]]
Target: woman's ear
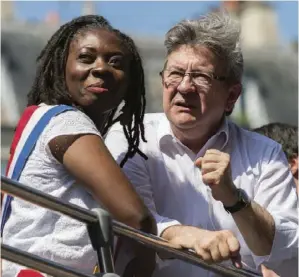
[[234, 93]]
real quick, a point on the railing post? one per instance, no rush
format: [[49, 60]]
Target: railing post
[[101, 237]]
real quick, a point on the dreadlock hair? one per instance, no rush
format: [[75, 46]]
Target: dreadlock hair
[[133, 111], [50, 87]]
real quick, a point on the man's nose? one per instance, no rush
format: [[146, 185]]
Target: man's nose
[[186, 85]]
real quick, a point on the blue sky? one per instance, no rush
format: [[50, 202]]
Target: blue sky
[[151, 17]]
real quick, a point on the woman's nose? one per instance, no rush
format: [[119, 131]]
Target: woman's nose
[[100, 68]]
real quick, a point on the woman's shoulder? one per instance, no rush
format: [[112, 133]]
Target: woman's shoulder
[[70, 122]]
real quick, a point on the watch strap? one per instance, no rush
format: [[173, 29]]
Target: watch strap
[[242, 203]]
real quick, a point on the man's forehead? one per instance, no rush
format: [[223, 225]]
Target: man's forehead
[[195, 56], [185, 56]]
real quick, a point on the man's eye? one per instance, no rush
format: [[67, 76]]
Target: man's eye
[[176, 74]]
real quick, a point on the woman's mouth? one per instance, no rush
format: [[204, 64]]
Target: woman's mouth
[[97, 89]]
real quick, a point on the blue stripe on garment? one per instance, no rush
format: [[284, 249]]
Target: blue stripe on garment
[[25, 153]]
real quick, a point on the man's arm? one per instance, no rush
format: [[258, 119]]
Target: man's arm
[[269, 224], [257, 227], [211, 246]]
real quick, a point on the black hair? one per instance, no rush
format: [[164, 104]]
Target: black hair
[[284, 134], [50, 87]]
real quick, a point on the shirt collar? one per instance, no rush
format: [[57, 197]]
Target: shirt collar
[[164, 129], [218, 140]]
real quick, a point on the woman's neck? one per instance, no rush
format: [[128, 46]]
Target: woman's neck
[[99, 118]]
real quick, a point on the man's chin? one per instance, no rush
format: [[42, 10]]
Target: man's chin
[[185, 122]]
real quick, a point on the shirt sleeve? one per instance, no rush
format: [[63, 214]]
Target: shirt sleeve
[[276, 191], [73, 122], [136, 171]]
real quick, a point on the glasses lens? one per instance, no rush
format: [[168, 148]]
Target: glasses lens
[[201, 79]]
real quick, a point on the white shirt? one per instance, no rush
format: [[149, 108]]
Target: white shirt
[[40, 231], [172, 188]]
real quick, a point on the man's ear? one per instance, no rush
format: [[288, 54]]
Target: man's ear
[[234, 93], [162, 78], [293, 162]]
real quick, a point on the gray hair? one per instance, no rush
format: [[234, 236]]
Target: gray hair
[[218, 32]]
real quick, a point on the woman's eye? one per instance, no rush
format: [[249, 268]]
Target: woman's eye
[[116, 61], [86, 58]]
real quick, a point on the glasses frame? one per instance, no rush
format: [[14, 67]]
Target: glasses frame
[[210, 75]]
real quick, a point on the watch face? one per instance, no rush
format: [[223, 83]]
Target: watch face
[[243, 202], [243, 196]]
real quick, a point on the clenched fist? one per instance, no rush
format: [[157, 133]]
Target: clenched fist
[[216, 173]]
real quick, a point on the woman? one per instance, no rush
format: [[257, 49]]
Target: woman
[[90, 67]]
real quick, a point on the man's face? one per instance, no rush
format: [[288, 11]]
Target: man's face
[[293, 164], [201, 100]]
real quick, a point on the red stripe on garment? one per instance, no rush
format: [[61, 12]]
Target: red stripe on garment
[[18, 132], [17, 135], [28, 112], [29, 273]]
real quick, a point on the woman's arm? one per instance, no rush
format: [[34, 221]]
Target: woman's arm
[[89, 161]]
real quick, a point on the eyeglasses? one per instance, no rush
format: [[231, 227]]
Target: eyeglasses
[[175, 77]]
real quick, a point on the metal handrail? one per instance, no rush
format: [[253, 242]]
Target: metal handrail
[[32, 261], [47, 201]]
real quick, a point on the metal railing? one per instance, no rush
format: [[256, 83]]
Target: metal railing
[[100, 228], [32, 261]]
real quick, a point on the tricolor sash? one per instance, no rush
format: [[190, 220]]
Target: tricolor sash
[[30, 126]]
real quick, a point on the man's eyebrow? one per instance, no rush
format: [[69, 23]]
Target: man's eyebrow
[[177, 67]]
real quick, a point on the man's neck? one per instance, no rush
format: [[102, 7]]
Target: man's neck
[[195, 138]]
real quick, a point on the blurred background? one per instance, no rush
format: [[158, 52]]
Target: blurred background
[[269, 41]]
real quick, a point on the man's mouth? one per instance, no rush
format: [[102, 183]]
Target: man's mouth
[[184, 105]]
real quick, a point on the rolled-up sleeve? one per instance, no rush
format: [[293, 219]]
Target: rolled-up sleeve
[[276, 192], [136, 171]]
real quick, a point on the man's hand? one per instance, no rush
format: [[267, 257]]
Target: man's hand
[[268, 272], [211, 246], [216, 173]]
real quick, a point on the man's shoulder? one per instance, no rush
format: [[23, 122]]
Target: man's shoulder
[[150, 121], [153, 119], [117, 143], [253, 140]]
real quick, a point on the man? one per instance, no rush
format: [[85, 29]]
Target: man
[[287, 136], [213, 187]]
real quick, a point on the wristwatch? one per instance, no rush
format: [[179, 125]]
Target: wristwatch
[[243, 201]]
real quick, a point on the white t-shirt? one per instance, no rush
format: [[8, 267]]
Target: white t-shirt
[[40, 231]]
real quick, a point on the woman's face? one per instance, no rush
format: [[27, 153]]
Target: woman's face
[[97, 70]]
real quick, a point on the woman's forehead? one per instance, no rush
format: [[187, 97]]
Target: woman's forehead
[[98, 38]]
